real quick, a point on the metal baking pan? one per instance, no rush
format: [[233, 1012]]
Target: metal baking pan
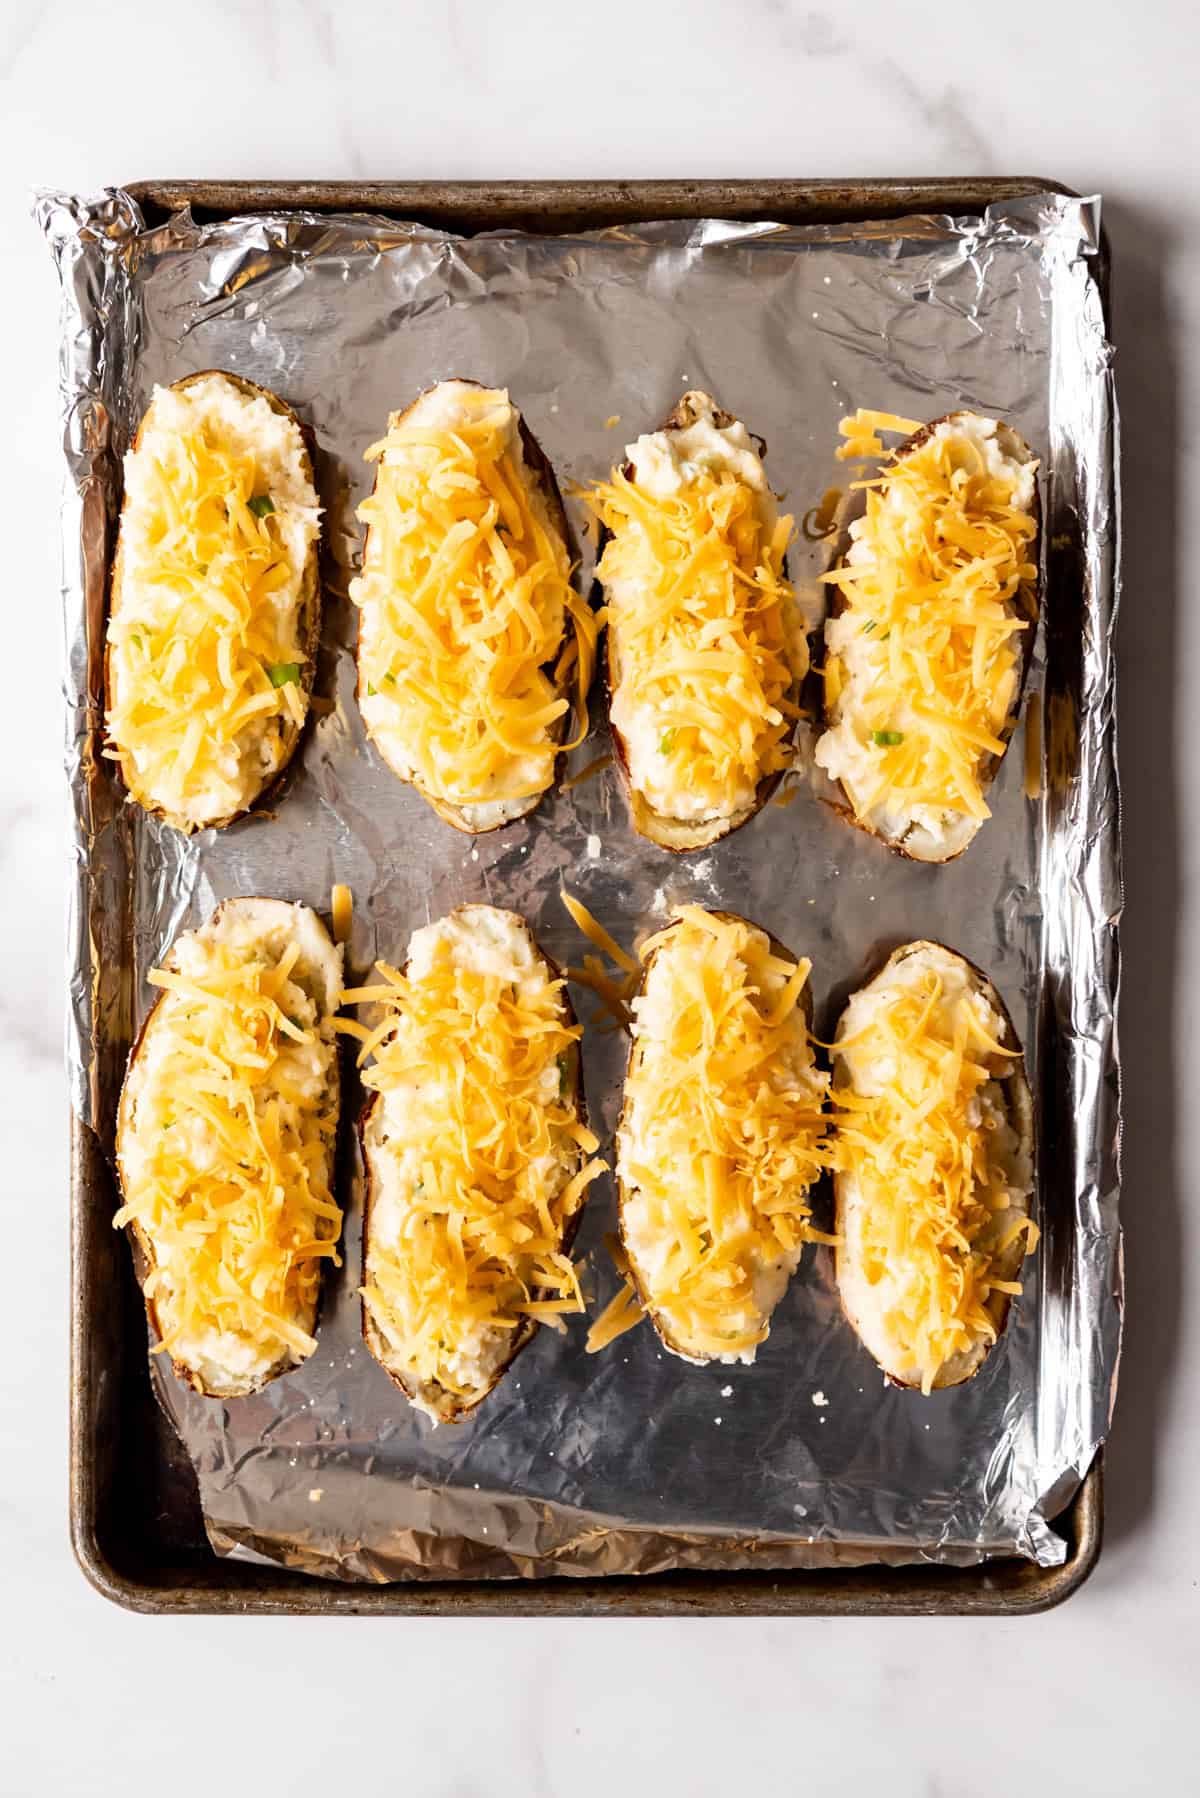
[[135, 1515]]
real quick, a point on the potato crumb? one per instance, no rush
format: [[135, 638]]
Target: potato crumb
[[316, 1494], [818, 1398], [615, 419], [593, 845]]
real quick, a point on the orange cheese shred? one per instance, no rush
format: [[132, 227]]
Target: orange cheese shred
[[341, 904], [596, 933], [623, 1312]]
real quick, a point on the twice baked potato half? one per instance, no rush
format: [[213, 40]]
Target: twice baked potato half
[[215, 606], [721, 1133], [930, 631], [933, 1151], [471, 635], [226, 1132], [706, 645], [477, 1157]]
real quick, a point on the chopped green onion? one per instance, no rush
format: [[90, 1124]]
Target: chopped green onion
[[284, 674], [260, 505], [887, 739], [667, 742], [869, 626], [371, 691], [562, 1076]]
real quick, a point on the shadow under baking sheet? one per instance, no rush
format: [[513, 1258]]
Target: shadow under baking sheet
[[1148, 651]]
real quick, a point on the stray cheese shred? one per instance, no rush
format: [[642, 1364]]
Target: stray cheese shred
[[623, 1312], [924, 660], [342, 912], [701, 621], [206, 645], [860, 433], [722, 1133], [614, 995], [940, 1182], [226, 1153], [592, 928], [465, 596], [480, 1160]]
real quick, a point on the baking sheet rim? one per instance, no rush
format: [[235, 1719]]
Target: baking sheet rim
[[878, 1590]]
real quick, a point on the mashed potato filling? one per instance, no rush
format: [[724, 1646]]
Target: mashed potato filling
[[923, 662], [206, 643], [227, 1127], [478, 1157], [721, 1133], [934, 1180], [706, 642], [464, 600]]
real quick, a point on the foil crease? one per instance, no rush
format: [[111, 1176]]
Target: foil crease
[[629, 1461]]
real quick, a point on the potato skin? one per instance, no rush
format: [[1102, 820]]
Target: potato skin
[[450, 1407], [310, 612], [661, 1327], [678, 835], [966, 1365], [1027, 602], [143, 1249], [546, 483]]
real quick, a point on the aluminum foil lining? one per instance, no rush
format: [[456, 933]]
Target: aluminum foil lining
[[630, 1461]]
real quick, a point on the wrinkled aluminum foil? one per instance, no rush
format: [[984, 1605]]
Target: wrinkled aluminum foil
[[630, 1461]]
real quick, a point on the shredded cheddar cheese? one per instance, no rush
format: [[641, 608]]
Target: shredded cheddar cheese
[[937, 1181], [342, 911], [623, 1312], [479, 1157], [706, 648], [859, 431], [226, 1141], [592, 928], [924, 660], [465, 596], [614, 995], [721, 1134], [206, 642]]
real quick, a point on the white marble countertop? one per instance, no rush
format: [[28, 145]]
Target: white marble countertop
[[1097, 1697]]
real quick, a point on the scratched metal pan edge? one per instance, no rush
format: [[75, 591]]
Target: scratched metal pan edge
[[130, 1528]]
